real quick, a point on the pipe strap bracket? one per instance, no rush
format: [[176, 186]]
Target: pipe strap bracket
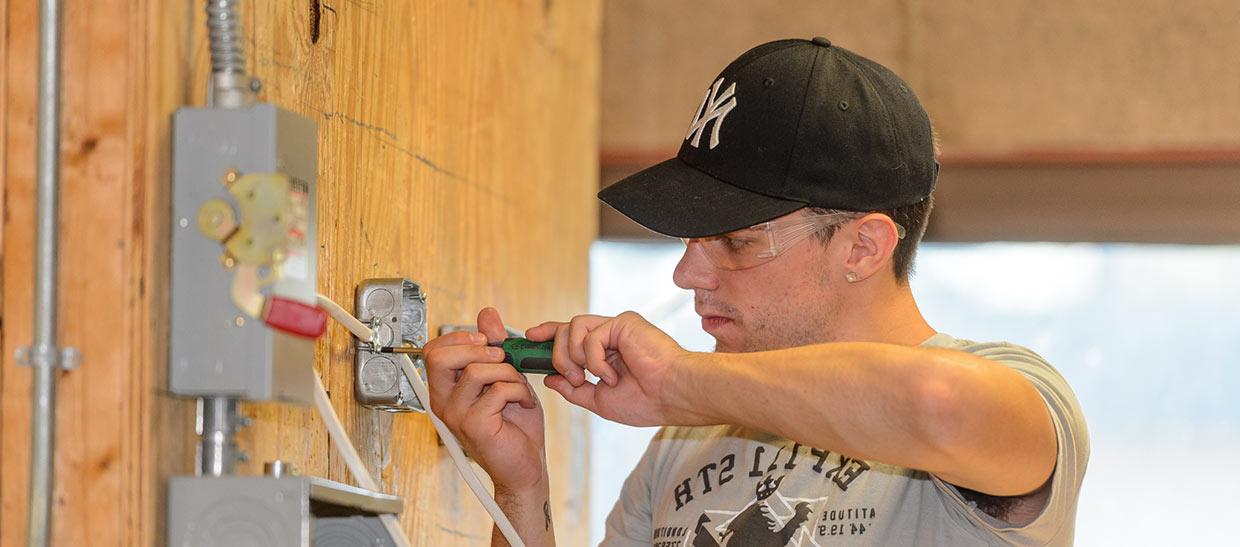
[[49, 356]]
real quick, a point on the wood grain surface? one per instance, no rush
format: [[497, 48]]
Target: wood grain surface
[[457, 147]]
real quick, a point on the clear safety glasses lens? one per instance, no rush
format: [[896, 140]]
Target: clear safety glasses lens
[[759, 244]]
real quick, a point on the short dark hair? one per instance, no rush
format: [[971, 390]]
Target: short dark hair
[[914, 218]]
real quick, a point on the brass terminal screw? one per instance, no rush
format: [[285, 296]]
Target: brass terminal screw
[[231, 176]]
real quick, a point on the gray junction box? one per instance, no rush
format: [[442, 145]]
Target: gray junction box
[[215, 348], [284, 511]]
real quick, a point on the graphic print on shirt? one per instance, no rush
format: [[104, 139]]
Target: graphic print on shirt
[[767, 516]]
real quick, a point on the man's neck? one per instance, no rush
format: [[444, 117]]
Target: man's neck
[[888, 313]]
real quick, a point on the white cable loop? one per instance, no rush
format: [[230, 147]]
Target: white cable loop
[[458, 456], [352, 459]]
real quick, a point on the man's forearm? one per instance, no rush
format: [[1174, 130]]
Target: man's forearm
[[936, 410], [822, 396], [529, 512]]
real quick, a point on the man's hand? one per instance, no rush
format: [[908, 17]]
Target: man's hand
[[633, 359], [488, 405]]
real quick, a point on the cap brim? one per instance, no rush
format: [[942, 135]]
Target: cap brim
[[678, 200]]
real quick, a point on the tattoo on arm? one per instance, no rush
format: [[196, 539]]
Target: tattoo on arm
[[547, 513]]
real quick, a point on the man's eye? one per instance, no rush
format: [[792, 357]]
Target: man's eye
[[736, 244]]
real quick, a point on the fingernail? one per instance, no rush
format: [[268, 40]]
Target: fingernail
[[478, 337], [497, 353]]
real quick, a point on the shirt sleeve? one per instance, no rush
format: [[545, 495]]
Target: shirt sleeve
[[630, 520], [1056, 520]]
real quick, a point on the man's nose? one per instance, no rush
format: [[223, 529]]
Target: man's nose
[[694, 271]]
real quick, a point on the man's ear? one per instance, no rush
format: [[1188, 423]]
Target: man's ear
[[874, 240]]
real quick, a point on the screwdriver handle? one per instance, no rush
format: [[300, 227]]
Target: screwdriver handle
[[528, 356]]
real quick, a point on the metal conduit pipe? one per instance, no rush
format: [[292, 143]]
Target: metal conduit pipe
[[43, 355], [229, 88], [218, 448], [229, 81]]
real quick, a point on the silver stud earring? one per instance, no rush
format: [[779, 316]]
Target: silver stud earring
[[851, 277]]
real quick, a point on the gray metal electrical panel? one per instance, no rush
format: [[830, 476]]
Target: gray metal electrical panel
[[216, 348], [266, 511]]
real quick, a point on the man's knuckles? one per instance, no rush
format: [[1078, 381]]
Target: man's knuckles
[[488, 373], [459, 356]]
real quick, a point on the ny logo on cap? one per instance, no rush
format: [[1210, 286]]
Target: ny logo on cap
[[713, 107]]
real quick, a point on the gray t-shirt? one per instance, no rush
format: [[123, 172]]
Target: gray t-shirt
[[725, 485]]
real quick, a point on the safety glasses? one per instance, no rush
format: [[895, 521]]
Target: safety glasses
[[756, 245]]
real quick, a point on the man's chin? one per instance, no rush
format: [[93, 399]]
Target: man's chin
[[723, 346]]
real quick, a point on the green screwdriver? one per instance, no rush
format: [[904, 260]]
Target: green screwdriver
[[528, 356], [525, 355]]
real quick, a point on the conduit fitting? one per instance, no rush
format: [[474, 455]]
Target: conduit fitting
[[230, 85], [47, 356]]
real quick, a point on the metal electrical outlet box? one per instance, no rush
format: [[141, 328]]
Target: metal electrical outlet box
[[396, 310], [229, 266], [275, 512]]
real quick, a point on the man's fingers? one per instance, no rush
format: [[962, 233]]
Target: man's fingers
[[477, 376], [579, 327], [595, 346], [502, 393], [444, 362], [582, 395], [476, 380], [543, 332], [560, 358], [491, 325], [458, 338]]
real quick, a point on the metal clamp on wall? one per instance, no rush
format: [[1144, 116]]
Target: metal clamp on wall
[[396, 310], [66, 358]]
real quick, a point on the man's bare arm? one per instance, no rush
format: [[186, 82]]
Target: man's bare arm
[[972, 422], [530, 514]]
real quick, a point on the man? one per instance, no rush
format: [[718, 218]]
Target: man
[[830, 412]]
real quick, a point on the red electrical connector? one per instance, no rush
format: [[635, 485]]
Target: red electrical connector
[[295, 317]]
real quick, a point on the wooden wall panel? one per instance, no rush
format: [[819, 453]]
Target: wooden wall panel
[[1156, 203], [1100, 73], [659, 56], [108, 412], [458, 147]]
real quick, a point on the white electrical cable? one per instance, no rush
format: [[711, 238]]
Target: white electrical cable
[[335, 429], [354, 461], [458, 456], [353, 324]]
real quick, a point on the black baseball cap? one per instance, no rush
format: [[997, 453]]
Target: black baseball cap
[[789, 124]]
